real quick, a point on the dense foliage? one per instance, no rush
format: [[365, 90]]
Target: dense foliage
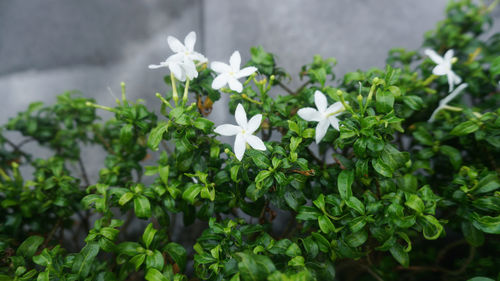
[[390, 196]]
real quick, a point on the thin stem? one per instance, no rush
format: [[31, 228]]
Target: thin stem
[[174, 89], [84, 172], [284, 87], [186, 89]]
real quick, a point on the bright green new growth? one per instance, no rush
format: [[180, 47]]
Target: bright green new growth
[[390, 196]]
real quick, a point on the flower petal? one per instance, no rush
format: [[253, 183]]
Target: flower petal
[[190, 69], [320, 101], [456, 79], [440, 69], [178, 72], [434, 56], [155, 66], [255, 142], [235, 61], [190, 40], [338, 106], [448, 55], [220, 67], [334, 121], [241, 116], [199, 57], [235, 85], [309, 114], [451, 96], [175, 45], [253, 123], [450, 82], [227, 130], [321, 129], [247, 71], [220, 81], [239, 146]]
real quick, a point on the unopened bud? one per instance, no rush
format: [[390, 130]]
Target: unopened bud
[[375, 80], [226, 150]]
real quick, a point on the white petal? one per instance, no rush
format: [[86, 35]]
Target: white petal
[[220, 67], [440, 69], [450, 82], [235, 85], [320, 101], [235, 61], [241, 116], [448, 55], [199, 57], [155, 66], [334, 122], [178, 72], [227, 130], [255, 142], [247, 71], [190, 69], [456, 79], [334, 108], [321, 129], [253, 123], [175, 45], [220, 81], [239, 146], [309, 114], [177, 58], [434, 56], [190, 40]]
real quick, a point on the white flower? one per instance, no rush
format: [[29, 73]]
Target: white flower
[[244, 132], [443, 103], [229, 74], [325, 116], [181, 64], [443, 67]]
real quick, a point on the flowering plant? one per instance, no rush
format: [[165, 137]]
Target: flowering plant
[[385, 174]]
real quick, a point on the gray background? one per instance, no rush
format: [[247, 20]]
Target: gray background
[[51, 46]]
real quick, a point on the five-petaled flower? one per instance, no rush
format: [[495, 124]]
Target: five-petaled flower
[[444, 102], [325, 116], [443, 67], [229, 74], [244, 132], [182, 63]]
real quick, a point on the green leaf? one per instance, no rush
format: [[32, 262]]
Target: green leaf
[[413, 102], [126, 133], [259, 158], [254, 267], [178, 254], [28, 248], [356, 239], [203, 124], [355, 204], [156, 135], [465, 128], [381, 168], [296, 261], [453, 154], [155, 260], [137, 261], [293, 127], [415, 203], [487, 224], [308, 213], [149, 235], [344, 182], [127, 196], [142, 208], [472, 235], [234, 173], [385, 101], [400, 255], [432, 229], [325, 224], [154, 275], [480, 278], [43, 276], [191, 192], [83, 261]]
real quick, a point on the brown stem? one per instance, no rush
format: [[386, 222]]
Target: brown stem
[[84, 172], [51, 233]]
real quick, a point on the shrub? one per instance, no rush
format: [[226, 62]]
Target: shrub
[[385, 174]]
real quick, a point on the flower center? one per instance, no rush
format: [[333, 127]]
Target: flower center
[[231, 73]]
